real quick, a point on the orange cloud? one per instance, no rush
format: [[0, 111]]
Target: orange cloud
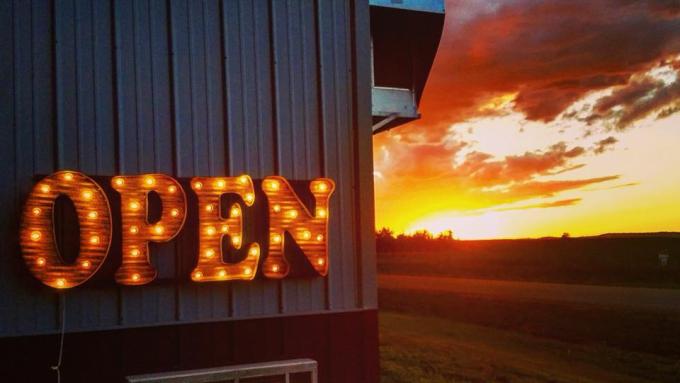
[[546, 205]]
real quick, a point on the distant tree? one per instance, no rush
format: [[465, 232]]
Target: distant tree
[[566, 235], [384, 233], [446, 235]]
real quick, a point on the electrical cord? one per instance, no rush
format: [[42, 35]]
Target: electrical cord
[[62, 302]]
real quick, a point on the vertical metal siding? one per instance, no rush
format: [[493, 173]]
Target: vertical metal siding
[[187, 88]]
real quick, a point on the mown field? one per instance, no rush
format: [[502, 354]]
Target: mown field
[[505, 333]]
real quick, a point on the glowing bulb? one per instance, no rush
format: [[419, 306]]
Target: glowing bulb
[[273, 185], [172, 189], [321, 213], [225, 228], [134, 252], [247, 271], [306, 234], [236, 240], [243, 180], [249, 197], [174, 212], [149, 181], [94, 239], [210, 207], [275, 268], [35, 235], [322, 186], [276, 238], [135, 277], [222, 273], [87, 194], [211, 230], [220, 184], [253, 251], [119, 181], [61, 282], [158, 229], [45, 188], [198, 185], [92, 215], [40, 261], [85, 264], [134, 229], [198, 275], [68, 176], [210, 253], [292, 213], [276, 208], [235, 211], [135, 205], [36, 211], [319, 237], [320, 261]]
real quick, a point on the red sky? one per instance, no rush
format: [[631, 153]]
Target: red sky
[[529, 102]]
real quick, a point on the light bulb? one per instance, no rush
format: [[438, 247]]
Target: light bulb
[[45, 188], [243, 180], [158, 229], [134, 229], [306, 234], [321, 213], [276, 238], [249, 197], [253, 251], [322, 186], [273, 185], [149, 181], [68, 176], [134, 252], [247, 271], [85, 264], [198, 275], [174, 212], [210, 253], [40, 261], [275, 268], [119, 181], [135, 205], [292, 213], [61, 282], [225, 228], [211, 230], [35, 235], [320, 261], [222, 273], [36, 211], [87, 194], [135, 277], [236, 240], [92, 215], [220, 184], [276, 208], [319, 237], [209, 207], [172, 189], [94, 239], [235, 211], [198, 185]]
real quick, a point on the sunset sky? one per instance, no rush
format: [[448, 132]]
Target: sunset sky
[[541, 117]]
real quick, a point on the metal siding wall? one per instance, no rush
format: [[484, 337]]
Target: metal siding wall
[[186, 88]]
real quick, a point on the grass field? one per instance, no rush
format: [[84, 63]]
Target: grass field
[[417, 348]]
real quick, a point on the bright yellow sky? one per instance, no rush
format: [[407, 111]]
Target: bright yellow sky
[[536, 137]]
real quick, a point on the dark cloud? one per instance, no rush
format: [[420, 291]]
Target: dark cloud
[[604, 144], [550, 188], [549, 53], [482, 170], [545, 205]]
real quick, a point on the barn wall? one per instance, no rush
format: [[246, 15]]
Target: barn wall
[[186, 88]]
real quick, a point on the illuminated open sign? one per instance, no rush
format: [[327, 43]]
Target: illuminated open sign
[[286, 214]]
